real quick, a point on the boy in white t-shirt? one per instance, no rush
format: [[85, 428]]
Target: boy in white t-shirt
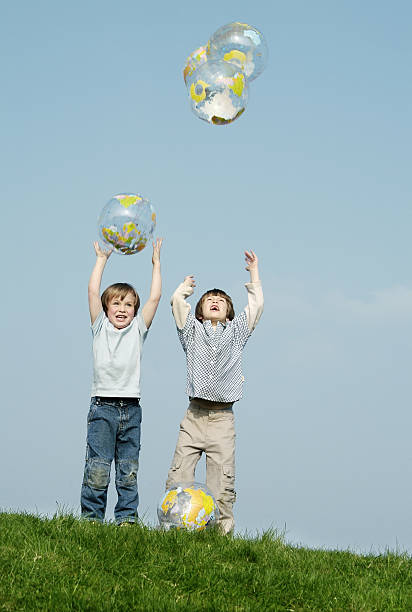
[[114, 419]]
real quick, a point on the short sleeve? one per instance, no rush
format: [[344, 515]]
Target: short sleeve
[[241, 329], [142, 328], [98, 323], [186, 334]]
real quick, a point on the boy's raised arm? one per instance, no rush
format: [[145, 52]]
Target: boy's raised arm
[[180, 307], [149, 309], [254, 308], [95, 303]]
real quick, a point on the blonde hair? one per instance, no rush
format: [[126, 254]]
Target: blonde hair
[[119, 290], [223, 294]]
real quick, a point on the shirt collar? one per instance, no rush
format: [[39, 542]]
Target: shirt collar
[[208, 325]]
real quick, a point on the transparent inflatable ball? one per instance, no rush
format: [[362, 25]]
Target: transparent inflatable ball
[[242, 45], [126, 224], [218, 92], [189, 506]]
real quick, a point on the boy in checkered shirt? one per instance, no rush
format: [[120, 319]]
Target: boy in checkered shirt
[[213, 339]]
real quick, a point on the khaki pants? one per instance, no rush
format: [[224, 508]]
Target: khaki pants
[[208, 427]]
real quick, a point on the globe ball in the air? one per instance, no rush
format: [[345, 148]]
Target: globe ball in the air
[[242, 45], [218, 92], [195, 59]]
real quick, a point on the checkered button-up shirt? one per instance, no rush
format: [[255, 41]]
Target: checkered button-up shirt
[[214, 354]]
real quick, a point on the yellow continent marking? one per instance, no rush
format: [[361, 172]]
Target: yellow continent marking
[[208, 503], [129, 200], [238, 85], [169, 501], [129, 227], [198, 97], [237, 55], [199, 501]]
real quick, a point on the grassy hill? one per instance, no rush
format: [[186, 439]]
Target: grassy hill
[[64, 564]]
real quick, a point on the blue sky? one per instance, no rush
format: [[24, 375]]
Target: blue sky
[[315, 177]]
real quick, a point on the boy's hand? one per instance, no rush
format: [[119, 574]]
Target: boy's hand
[[252, 265], [190, 281], [251, 260], [156, 250], [105, 253]]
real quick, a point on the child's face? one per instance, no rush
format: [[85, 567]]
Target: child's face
[[120, 311], [214, 309]]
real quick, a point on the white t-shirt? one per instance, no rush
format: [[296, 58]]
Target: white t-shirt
[[116, 357]]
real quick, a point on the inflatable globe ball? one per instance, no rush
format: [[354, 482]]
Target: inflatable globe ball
[[242, 45], [217, 91], [126, 224], [195, 59], [187, 506]]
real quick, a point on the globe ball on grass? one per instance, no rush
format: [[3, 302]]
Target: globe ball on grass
[[189, 506]]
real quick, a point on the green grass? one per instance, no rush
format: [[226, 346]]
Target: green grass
[[64, 564]]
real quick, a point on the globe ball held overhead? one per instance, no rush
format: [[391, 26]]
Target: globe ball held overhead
[[218, 92], [126, 224]]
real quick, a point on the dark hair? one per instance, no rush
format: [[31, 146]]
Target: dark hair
[[221, 293], [119, 290]]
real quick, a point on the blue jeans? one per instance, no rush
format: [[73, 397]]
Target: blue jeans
[[113, 432]]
